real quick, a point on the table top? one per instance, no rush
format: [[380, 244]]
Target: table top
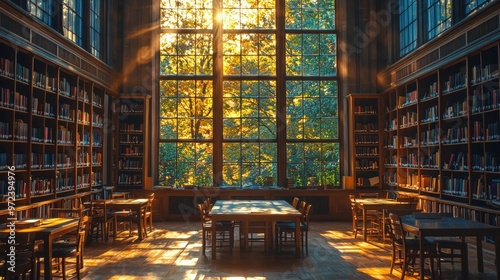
[[133, 201], [253, 207], [47, 226], [385, 201], [445, 225]]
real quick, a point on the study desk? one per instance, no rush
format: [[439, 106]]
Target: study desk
[[138, 205], [367, 204], [449, 226], [254, 210], [49, 230]]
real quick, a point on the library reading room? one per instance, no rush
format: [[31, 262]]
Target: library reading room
[[249, 139]]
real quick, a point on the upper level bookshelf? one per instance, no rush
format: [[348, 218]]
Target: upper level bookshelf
[[442, 131], [364, 129], [51, 131], [132, 141]]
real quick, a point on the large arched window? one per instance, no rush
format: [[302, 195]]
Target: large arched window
[[248, 93]]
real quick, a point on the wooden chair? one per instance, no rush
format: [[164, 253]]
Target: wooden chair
[[283, 228], [25, 259], [148, 214], [405, 248], [372, 219], [101, 220], [222, 230]]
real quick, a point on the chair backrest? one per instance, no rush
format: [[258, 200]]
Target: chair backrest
[[24, 250], [98, 208], [307, 214], [368, 195], [396, 228], [295, 202], [202, 211], [66, 212], [82, 231], [302, 207], [149, 206]]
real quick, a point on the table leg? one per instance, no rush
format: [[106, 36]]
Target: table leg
[[297, 237], [479, 246], [139, 223], [244, 235], [364, 225], [214, 241], [497, 253], [47, 269], [421, 247]]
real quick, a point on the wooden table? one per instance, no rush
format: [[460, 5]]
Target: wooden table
[[49, 230], [367, 204], [448, 226], [254, 210], [138, 205]]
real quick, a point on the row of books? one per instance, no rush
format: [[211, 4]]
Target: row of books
[[42, 135], [408, 99], [129, 179], [456, 162], [391, 142], [6, 67], [19, 187], [455, 186], [366, 164], [486, 190], [131, 127], [411, 160], [22, 73], [64, 135], [433, 92], [409, 141], [479, 74], [21, 130], [430, 137], [42, 81], [42, 109], [41, 185], [391, 124], [430, 161], [455, 82], [488, 100], [365, 139], [83, 117], [366, 127], [366, 151], [490, 132], [13, 100], [137, 107], [455, 135], [21, 161], [130, 164], [409, 119], [131, 150], [83, 95], [97, 120], [65, 112], [486, 162], [430, 183], [41, 161], [130, 139], [430, 114], [456, 109]]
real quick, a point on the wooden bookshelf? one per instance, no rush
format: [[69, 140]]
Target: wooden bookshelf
[[365, 132], [132, 142], [52, 129], [442, 132]]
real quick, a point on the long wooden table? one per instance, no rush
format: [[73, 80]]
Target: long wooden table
[[370, 204], [254, 210], [138, 205], [448, 226], [49, 230]]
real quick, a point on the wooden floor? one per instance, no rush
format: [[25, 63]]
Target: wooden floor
[[173, 251]]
